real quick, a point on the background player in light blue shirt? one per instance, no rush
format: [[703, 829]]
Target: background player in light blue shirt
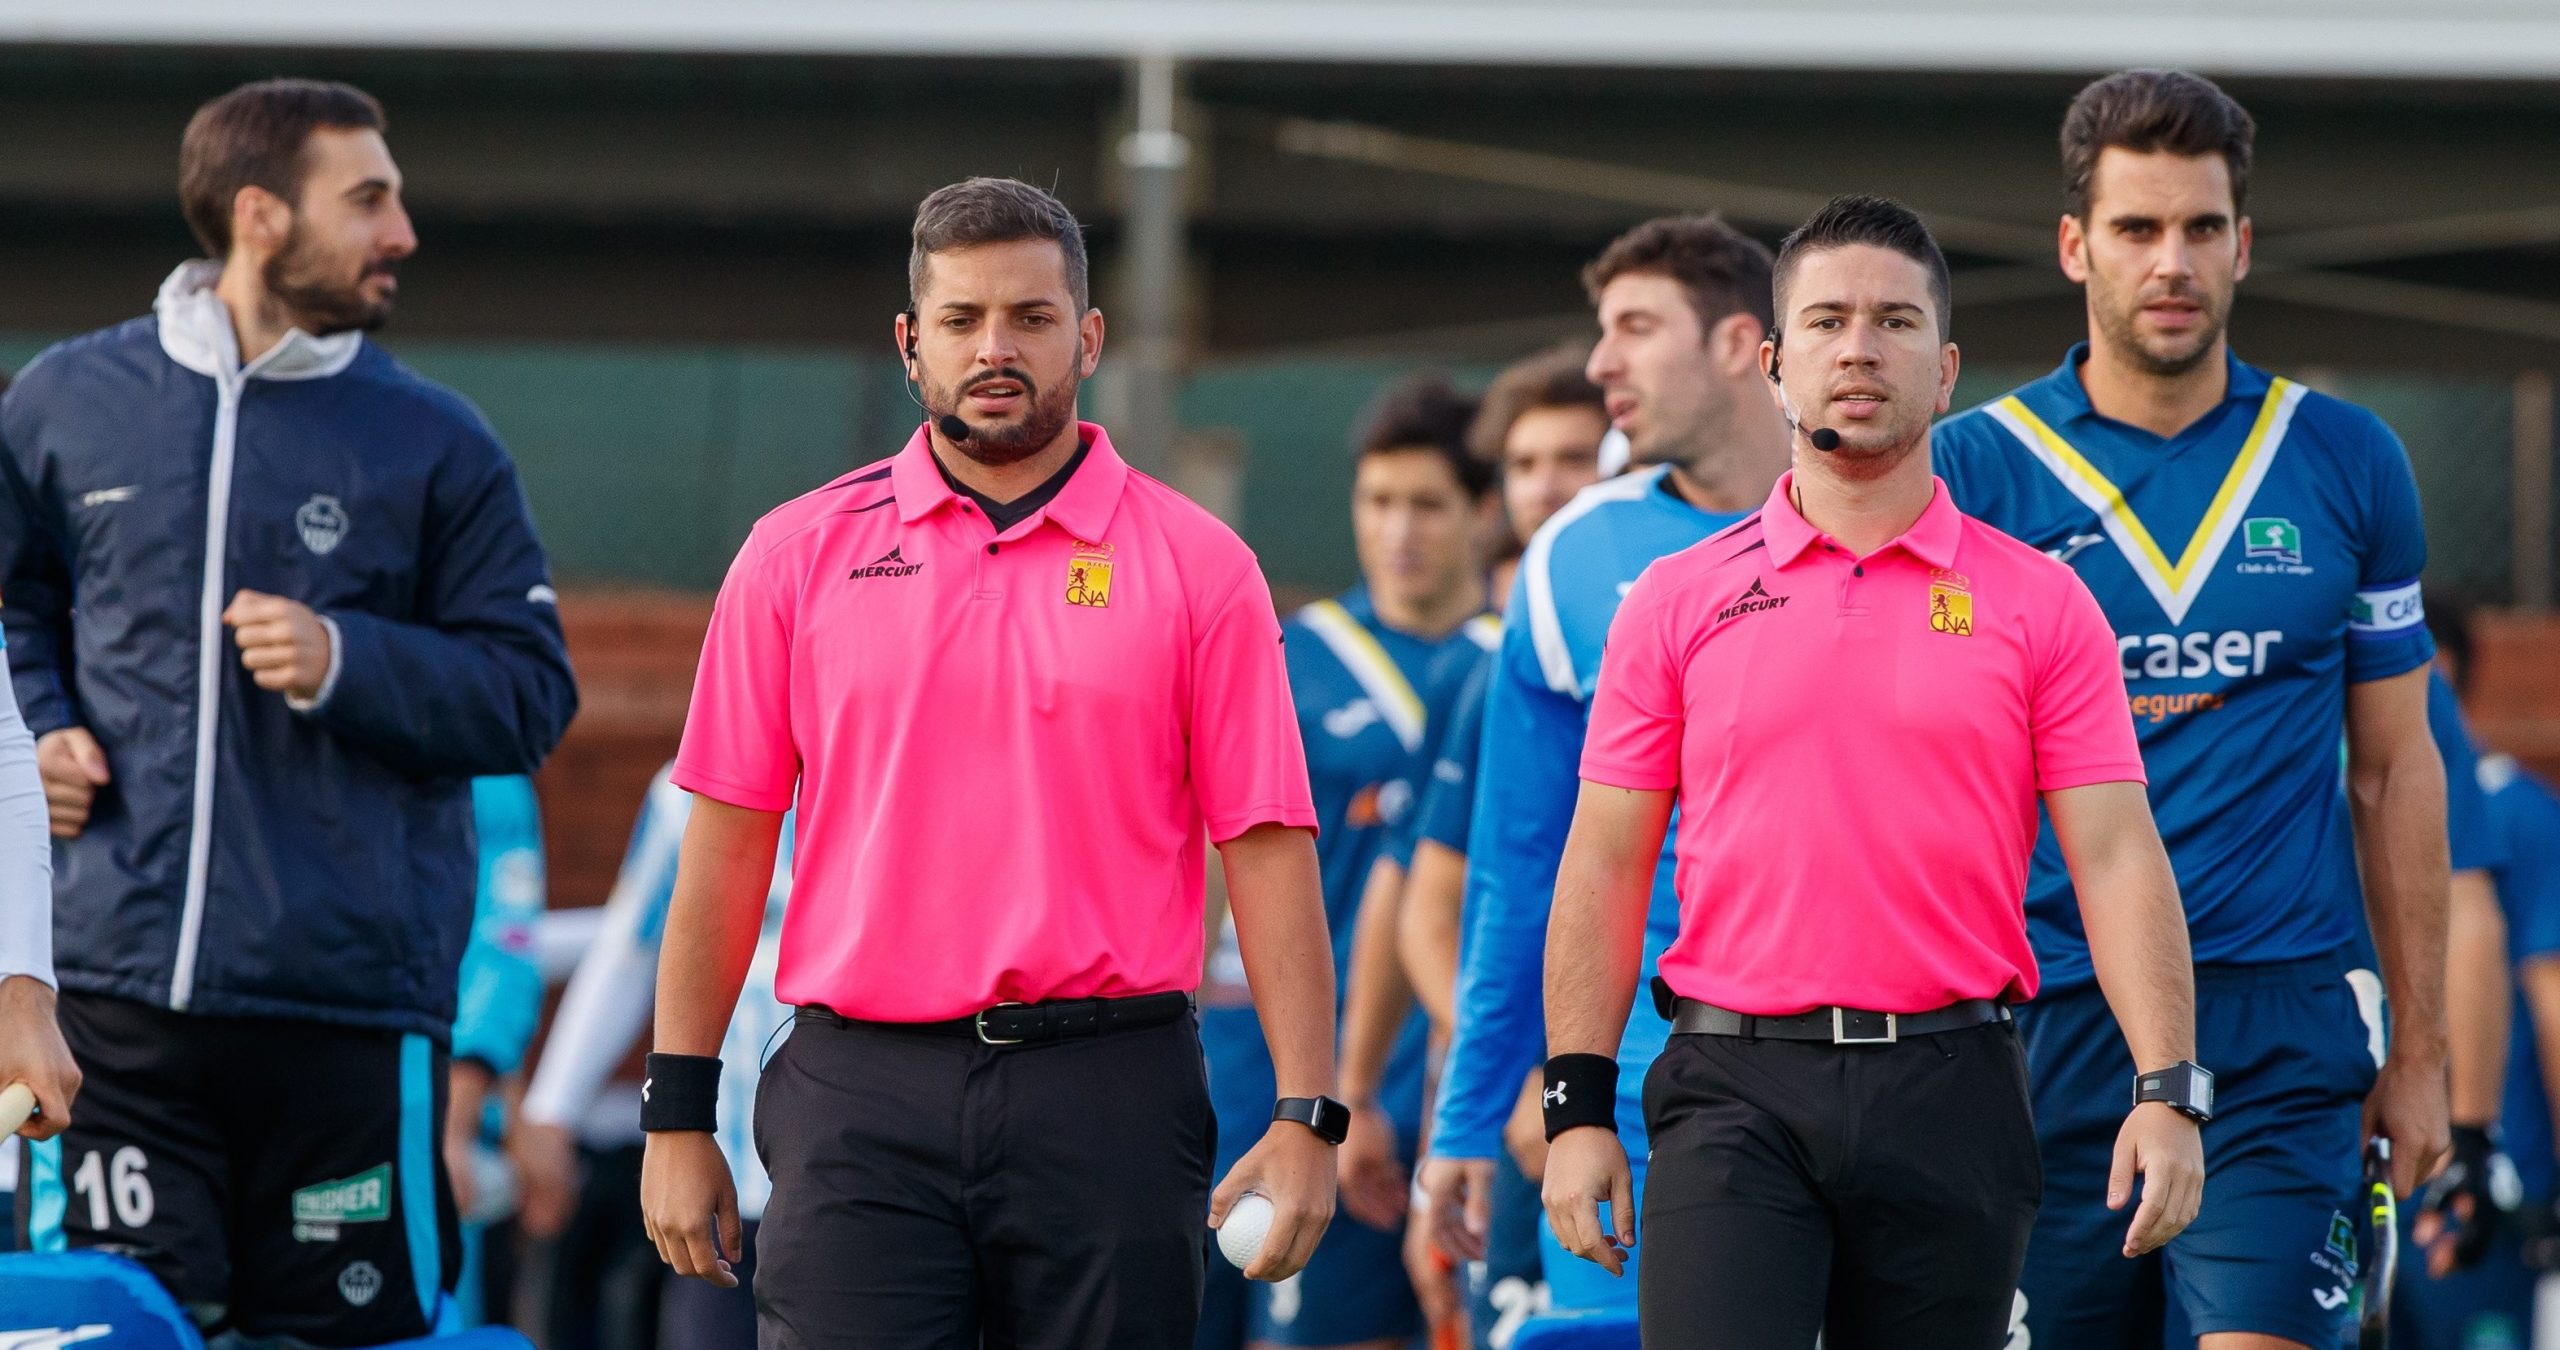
[[2257, 548], [497, 1002], [1372, 672], [601, 1019], [1683, 304]]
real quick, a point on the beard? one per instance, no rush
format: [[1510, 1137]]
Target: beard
[[2119, 315], [302, 284], [1045, 413]]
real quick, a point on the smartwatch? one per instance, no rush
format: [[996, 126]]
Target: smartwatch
[[2185, 1086], [1330, 1119]]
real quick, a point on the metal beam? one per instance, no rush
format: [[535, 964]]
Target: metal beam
[[2435, 39]]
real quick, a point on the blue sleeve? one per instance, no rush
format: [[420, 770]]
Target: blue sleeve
[[501, 986], [2387, 623], [36, 575], [2527, 817], [478, 681], [2474, 843], [1532, 748], [1449, 802]]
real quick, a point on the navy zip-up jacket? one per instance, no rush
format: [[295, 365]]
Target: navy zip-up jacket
[[253, 856]]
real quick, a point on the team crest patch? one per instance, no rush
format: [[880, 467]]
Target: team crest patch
[[322, 523], [1089, 576], [359, 1282], [2272, 537], [1950, 603], [319, 1209]]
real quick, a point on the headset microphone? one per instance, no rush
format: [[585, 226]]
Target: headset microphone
[[1823, 438], [953, 429]]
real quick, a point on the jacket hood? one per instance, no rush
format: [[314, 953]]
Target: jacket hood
[[195, 330]]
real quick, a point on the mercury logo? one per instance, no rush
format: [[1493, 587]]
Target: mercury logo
[[889, 564], [1751, 602]]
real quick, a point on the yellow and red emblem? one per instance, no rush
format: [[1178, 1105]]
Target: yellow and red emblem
[[1089, 575], [1950, 602]]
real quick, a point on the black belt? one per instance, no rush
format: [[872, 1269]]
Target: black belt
[[1840, 1026], [1028, 1023]]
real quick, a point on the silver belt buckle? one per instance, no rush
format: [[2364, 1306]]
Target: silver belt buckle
[[1840, 1030], [981, 1021]]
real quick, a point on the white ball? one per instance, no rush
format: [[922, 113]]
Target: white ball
[[1240, 1237]]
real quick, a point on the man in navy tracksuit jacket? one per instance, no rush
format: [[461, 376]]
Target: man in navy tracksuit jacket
[[267, 618]]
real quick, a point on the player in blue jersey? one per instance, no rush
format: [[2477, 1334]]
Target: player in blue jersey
[[601, 1019], [1683, 304], [498, 1001], [2257, 548], [1372, 671], [2505, 819], [1540, 425]]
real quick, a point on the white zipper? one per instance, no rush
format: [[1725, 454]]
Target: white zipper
[[209, 644]]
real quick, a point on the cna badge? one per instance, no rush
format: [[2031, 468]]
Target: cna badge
[[1089, 575], [1950, 602]]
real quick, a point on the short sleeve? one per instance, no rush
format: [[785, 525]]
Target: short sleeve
[[738, 747], [1448, 802], [1248, 767], [2076, 714], [2472, 842], [1634, 740], [2527, 817], [2387, 621]]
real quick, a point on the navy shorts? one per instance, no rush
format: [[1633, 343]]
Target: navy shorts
[[1354, 1288], [2294, 1048]]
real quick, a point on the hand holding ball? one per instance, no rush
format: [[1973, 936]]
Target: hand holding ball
[[1248, 1221]]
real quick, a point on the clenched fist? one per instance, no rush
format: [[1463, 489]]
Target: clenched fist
[[283, 644]]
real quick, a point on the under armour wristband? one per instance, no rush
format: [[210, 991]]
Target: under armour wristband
[[1581, 1090], [682, 1092]]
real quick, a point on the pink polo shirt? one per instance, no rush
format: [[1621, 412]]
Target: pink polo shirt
[[1008, 749], [1858, 745]]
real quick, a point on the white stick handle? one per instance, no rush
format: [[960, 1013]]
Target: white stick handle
[[17, 1102]]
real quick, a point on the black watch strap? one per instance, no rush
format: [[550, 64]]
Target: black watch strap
[[2185, 1087], [1330, 1119]]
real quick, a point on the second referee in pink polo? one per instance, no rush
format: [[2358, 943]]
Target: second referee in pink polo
[[1013, 688], [1858, 697]]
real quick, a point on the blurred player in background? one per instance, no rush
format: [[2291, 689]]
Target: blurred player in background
[[1373, 673], [2257, 549], [273, 600], [500, 1000], [2474, 1290], [1541, 423], [1683, 305], [602, 1017]]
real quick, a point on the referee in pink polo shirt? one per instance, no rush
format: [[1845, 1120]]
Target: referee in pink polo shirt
[[1857, 697], [1014, 689]]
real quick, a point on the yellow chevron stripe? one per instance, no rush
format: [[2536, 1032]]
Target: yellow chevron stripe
[[2122, 511], [1376, 671]]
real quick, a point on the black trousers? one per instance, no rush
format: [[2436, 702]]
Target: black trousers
[[1879, 1195], [934, 1193], [281, 1177]]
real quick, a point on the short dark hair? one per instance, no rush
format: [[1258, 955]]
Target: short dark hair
[[1424, 412], [2151, 110], [255, 136], [1551, 379], [978, 211], [1724, 270], [2449, 623], [1877, 221]]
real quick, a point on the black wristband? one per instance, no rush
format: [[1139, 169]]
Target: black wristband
[[1581, 1090], [682, 1092]]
